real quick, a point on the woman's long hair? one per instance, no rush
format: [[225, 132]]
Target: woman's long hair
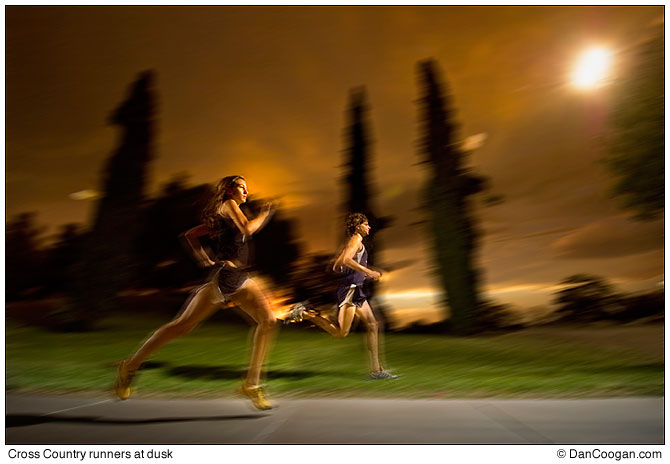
[[210, 214]]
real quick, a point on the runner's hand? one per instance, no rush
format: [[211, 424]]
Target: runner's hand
[[266, 208], [375, 275], [205, 263]]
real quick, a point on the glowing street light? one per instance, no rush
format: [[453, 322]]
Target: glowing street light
[[592, 68]]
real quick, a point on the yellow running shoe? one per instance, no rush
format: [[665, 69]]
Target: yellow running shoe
[[124, 377], [255, 394]]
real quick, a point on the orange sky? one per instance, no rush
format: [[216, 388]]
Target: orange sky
[[262, 91]]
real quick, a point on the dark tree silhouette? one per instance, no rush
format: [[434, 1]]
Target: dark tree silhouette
[[107, 264], [275, 248], [22, 256], [57, 274], [451, 221], [359, 193], [586, 298], [309, 284], [163, 260], [651, 304], [637, 138], [589, 298]]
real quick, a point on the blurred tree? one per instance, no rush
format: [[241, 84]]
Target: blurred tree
[[108, 265], [637, 139], [313, 281], [586, 298], [22, 256], [163, 260], [359, 192], [498, 316], [60, 258], [642, 306], [447, 200], [275, 248]]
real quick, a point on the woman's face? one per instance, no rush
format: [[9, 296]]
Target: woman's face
[[364, 229], [238, 191]]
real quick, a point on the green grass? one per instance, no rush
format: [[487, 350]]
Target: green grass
[[212, 360]]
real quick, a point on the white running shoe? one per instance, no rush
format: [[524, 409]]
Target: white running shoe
[[295, 313], [382, 375]]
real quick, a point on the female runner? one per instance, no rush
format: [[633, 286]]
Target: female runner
[[228, 229]]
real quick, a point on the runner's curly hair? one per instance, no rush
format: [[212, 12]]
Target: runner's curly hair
[[210, 214], [353, 221]]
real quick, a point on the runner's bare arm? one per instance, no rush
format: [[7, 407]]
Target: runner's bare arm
[[192, 239], [246, 226], [346, 258]]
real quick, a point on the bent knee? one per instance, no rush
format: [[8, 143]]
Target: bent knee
[[342, 334], [268, 321]]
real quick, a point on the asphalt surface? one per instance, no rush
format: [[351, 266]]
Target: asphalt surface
[[77, 420]]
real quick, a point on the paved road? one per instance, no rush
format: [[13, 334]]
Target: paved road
[[69, 419]]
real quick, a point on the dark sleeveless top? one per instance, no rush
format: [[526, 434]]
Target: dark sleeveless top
[[228, 243], [355, 277]]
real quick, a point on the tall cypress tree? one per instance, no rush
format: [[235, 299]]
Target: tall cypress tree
[[358, 186], [636, 139], [108, 264], [125, 175], [450, 218], [357, 154]]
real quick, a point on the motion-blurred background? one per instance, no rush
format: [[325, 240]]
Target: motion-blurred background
[[510, 160]]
